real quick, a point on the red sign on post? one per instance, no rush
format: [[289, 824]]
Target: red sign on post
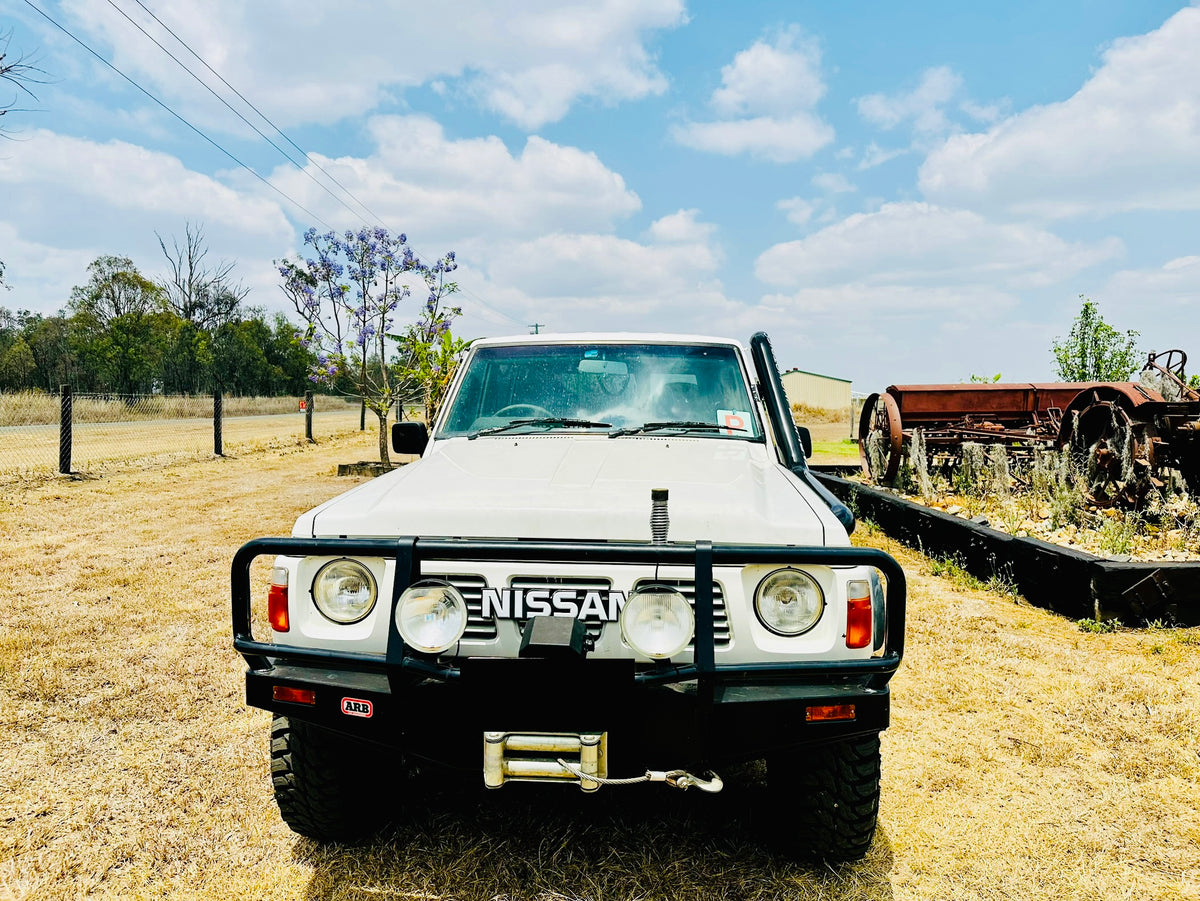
[[303, 405]]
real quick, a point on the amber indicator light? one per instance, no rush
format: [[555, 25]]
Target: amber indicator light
[[294, 695], [822, 713]]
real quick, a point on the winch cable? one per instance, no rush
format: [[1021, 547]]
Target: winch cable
[[680, 779]]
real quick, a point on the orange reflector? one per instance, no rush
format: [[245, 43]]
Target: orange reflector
[[277, 608], [826, 712], [858, 622], [294, 695]]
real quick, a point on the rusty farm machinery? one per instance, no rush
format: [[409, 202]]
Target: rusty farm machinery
[[1124, 435]]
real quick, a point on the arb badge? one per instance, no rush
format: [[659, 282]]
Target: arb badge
[[357, 707]]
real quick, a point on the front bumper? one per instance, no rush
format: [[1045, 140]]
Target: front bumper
[[698, 714]]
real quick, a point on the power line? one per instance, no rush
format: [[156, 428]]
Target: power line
[[86, 47], [280, 132], [225, 102], [227, 153], [259, 112]]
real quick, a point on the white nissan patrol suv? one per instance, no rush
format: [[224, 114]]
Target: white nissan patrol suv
[[611, 563]]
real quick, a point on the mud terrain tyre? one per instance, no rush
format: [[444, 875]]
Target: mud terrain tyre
[[825, 800], [325, 784]]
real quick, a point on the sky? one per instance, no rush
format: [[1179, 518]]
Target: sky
[[895, 193]]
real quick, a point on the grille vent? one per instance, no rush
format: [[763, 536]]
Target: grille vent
[[471, 588], [580, 584], [687, 588]]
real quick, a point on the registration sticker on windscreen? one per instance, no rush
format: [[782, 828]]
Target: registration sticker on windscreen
[[734, 422]]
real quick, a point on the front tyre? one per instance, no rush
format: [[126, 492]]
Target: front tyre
[[325, 783], [824, 801]]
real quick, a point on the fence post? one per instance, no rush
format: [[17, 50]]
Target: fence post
[[308, 411], [362, 414], [64, 429], [218, 415]]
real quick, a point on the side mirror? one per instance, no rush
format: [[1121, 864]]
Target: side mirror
[[805, 440], [409, 437]]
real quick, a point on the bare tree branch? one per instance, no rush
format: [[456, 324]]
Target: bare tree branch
[[20, 72], [203, 295]]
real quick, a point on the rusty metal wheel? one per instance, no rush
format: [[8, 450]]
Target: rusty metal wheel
[[1115, 451], [880, 430]]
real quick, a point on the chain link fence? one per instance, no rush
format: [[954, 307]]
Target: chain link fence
[[41, 434]]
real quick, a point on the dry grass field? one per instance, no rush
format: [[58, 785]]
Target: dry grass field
[[29, 454], [1026, 759]]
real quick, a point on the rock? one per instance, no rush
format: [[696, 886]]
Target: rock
[[1120, 558], [954, 510], [980, 520]]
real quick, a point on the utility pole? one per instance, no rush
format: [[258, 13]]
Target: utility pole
[[535, 326]]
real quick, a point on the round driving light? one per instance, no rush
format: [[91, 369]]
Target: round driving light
[[431, 616], [657, 621], [789, 602], [344, 591]]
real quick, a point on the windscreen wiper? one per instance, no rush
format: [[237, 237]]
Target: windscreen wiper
[[685, 426], [547, 421]]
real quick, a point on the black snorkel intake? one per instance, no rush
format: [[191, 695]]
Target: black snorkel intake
[[784, 428]]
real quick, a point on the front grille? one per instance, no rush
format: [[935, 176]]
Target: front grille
[[581, 585], [479, 628], [687, 588]]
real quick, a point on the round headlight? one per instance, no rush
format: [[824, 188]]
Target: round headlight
[[789, 602], [344, 591], [431, 616], [657, 621]]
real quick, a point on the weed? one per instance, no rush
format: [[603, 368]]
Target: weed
[[998, 475], [967, 479], [1117, 534], [1098, 626], [920, 466], [876, 452]]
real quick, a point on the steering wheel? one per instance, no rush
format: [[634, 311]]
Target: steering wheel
[[523, 411]]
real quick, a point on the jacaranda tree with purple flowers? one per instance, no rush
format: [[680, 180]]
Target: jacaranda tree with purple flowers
[[429, 352], [348, 294]]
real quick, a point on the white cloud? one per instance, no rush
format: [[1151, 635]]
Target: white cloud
[[766, 103], [798, 209], [68, 200], [1127, 140], [575, 282], [39, 270], [309, 63], [1148, 291], [770, 79], [914, 246], [778, 140], [904, 301], [833, 183], [604, 268], [924, 106], [123, 176], [681, 227], [438, 189], [875, 155]]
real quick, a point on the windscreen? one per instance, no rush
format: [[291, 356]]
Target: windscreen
[[617, 388]]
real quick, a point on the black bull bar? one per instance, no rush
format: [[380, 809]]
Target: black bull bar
[[702, 556]]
